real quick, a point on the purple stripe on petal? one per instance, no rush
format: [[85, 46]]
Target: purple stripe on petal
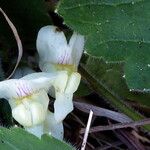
[[60, 59], [17, 94], [23, 89], [67, 58], [20, 92], [63, 58], [26, 89]]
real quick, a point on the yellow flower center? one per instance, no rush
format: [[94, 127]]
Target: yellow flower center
[[66, 67]]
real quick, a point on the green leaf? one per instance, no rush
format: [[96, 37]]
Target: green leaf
[[117, 30], [28, 17], [19, 139], [112, 76], [83, 89], [106, 79]]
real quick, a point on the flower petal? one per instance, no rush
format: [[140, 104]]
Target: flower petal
[[52, 47], [73, 83], [40, 75], [20, 88], [61, 81], [76, 43], [13, 88], [42, 80], [22, 115], [16, 88], [52, 127], [31, 110], [36, 130], [63, 105], [47, 67]]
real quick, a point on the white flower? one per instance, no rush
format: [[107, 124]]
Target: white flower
[[48, 123], [64, 89], [49, 126], [52, 127], [28, 97], [56, 54]]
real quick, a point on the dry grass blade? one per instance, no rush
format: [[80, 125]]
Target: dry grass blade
[[119, 117], [19, 44], [143, 139], [87, 130], [112, 145], [129, 140], [81, 123], [117, 126]]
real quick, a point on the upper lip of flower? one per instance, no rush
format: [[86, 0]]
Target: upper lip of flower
[[53, 48]]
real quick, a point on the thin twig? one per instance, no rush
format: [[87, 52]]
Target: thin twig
[[89, 145], [19, 44], [81, 122], [117, 126], [111, 145], [87, 130], [129, 140], [142, 138]]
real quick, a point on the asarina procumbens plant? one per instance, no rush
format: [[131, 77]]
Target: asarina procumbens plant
[[27, 95], [28, 99], [56, 55]]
